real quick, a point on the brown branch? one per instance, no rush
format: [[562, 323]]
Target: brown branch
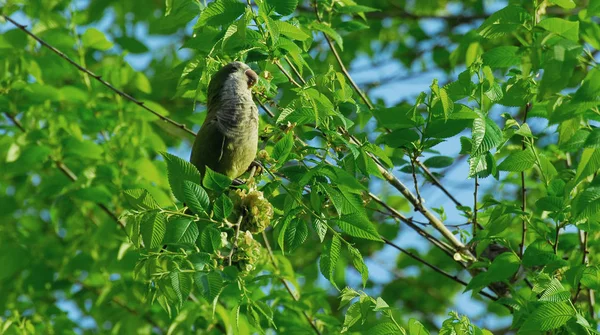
[[437, 183], [68, 173], [98, 77], [286, 285], [435, 268], [475, 207], [414, 176], [341, 63], [523, 192]]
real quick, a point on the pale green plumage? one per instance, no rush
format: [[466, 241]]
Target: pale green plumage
[[228, 138]]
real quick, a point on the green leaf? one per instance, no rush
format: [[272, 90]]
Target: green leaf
[[502, 57], [399, 138], [591, 277], [140, 199], [416, 328], [343, 201], [294, 233], [291, 31], [485, 134], [446, 129], [180, 170], [329, 258], [567, 4], [215, 181], [356, 9], [384, 328], [550, 204], [358, 226], [593, 140], [548, 316], [210, 239], [283, 148], [518, 161], [181, 282], [447, 103], [94, 38], [209, 284], [539, 253], [438, 162], [359, 264], [181, 231], [283, 7], [195, 197], [220, 13], [329, 32], [555, 292], [222, 207], [586, 204], [561, 27], [588, 164], [504, 22], [153, 227]]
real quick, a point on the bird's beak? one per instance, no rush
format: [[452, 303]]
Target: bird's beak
[[252, 77]]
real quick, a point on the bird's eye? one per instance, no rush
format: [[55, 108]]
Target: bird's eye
[[252, 77]]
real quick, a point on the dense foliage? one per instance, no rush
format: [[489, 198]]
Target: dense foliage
[[106, 228]]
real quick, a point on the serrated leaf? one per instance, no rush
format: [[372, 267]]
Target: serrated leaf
[[140, 199], [359, 264], [329, 258], [358, 226], [504, 22], [593, 139], [555, 292], [210, 239], [181, 282], [180, 170], [291, 31], [181, 231], [502, 57], [416, 328], [283, 7], [485, 134], [215, 181], [586, 204], [344, 202], [293, 233], [209, 284], [222, 207], [591, 277], [561, 27], [447, 103], [152, 228], [588, 164], [518, 161], [283, 148], [220, 12], [195, 197], [548, 316]]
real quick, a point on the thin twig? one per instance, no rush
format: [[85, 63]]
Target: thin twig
[[265, 108], [286, 285], [555, 246], [435, 268], [523, 192], [296, 72], [437, 183], [289, 77], [414, 176], [475, 207], [341, 63], [447, 249], [235, 237], [98, 77]]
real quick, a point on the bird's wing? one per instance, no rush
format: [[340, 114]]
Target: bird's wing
[[208, 146]]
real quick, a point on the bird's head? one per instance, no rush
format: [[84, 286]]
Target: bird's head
[[235, 77]]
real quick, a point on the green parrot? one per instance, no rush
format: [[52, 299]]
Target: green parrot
[[228, 139]]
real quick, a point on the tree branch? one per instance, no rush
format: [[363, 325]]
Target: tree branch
[[286, 285], [341, 63], [435, 268], [523, 192], [99, 78]]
